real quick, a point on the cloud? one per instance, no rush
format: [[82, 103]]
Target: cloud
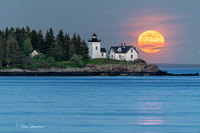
[[148, 20], [163, 24], [152, 46]]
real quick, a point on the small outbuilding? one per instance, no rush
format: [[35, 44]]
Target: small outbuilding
[[103, 53], [34, 53]]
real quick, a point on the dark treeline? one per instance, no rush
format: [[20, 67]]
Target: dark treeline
[[16, 44]]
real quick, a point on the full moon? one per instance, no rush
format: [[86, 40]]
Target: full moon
[[151, 41]]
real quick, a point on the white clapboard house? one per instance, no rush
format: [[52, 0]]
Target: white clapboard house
[[123, 52]]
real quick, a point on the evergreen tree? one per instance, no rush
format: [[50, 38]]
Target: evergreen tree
[[22, 36], [49, 43], [8, 59], [60, 53], [40, 42], [6, 33], [27, 47], [28, 31], [60, 37], [2, 33], [52, 35], [74, 40], [66, 45], [78, 45], [51, 51], [17, 33], [15, 54], [34, 39], [46, 44], [11, 30], [84, 50], [4, 48], [1, 50], [71, 50]]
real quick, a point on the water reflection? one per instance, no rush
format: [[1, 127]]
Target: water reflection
[[151, 110], [150, 121]]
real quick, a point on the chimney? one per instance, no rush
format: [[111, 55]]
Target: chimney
[[124, 44], [121, 44]]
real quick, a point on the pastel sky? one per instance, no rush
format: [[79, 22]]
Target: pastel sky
[[116, 21]]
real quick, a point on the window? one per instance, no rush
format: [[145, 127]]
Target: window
[[112, 56], [120, 56], [102, 54], [131, 56], [96, 47], [131, 50], [119, 50]]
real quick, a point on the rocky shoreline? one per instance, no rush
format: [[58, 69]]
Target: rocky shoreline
[[94, 70]]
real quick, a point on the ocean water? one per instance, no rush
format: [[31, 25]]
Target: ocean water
[[100, 104], [181, 70]]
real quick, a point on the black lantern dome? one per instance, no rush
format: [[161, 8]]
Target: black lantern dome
[[94, 38]]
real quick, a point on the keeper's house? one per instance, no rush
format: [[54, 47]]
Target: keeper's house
[[123, 52]]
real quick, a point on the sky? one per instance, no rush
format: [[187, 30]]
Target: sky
[[115, 21]]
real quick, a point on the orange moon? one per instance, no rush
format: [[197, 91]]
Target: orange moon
[[151, 41]]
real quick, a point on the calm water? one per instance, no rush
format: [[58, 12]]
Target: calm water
[[181, 70], [100, 104]]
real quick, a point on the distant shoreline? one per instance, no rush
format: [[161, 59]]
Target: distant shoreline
[[162, 65]]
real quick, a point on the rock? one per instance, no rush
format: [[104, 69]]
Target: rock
[[151, 68], [95, 68], [119, 68]]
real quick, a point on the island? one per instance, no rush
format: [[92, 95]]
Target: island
[[26, 52]]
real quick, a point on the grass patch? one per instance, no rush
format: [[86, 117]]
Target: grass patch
[[105, 61], [2, 68], [62, 64], [75, 62]]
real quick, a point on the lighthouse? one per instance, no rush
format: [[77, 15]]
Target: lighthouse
[[94, 46]]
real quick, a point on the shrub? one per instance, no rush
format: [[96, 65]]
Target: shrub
[[76, 61], [33, 66], [39, 56], [50, 60], [39, 63], [137, 61], [42, 64], [61, 64]]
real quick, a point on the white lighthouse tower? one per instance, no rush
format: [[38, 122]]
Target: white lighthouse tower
[[94, 47]]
